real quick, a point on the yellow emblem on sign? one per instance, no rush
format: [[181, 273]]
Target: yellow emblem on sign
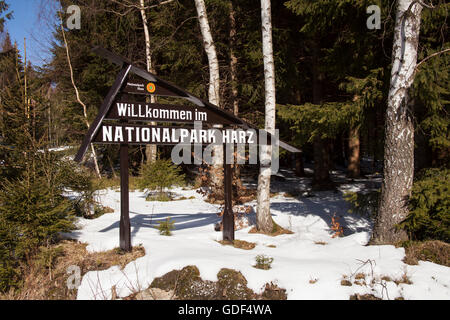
[[151, 87]]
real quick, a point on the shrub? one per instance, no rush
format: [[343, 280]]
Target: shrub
[[365, 204], [47, 256], [30, 216], [160, 175], [429, 216], [165, 227], [83, 188], [263, 262]]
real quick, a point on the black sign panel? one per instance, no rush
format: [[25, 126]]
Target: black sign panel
[[137, 134], [163, 113], [149, 88]]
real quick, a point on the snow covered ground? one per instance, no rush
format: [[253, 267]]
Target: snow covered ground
[[309, 264]]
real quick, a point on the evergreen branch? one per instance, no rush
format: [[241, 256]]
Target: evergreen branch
[[164, 41]]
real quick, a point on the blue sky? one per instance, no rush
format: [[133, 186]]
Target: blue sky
[[32, 20]]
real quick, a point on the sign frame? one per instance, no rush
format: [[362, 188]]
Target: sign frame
[[219, 116]]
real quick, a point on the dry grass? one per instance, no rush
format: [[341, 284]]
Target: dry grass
[[239, 244], [403, 280], [276, 231], [346, 283], [386, 278], [360, 276], [40, 283], [433, 251], [364, 297], [322, 243]]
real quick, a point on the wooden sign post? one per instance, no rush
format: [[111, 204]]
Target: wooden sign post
[[125, 133], [125, 226], [228, 215]]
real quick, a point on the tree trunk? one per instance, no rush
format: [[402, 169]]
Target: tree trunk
[[320, 146], [233, 61], [321, 162], [234, 83], [214, 89], [263, 216], [151, 149], [399, 141], [299, 164], [354, 151]]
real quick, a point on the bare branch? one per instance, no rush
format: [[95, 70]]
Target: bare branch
[[129, 4], [77, 93], [431, 56]]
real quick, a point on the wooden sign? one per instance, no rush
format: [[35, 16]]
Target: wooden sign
[[164, 135], [155, 112], [126, 134], [149, 88]]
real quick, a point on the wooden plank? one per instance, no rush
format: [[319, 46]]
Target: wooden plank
[[151, 88], [228, 215], [95, 126], [157, 112], [169, 135], [125, 226]]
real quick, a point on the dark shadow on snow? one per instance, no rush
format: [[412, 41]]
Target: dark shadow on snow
[[182, 221]]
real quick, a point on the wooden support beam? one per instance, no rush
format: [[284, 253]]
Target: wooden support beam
[[228, 215], [125, 226]]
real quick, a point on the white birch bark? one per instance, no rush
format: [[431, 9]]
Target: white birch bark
[[214, 84], [210, 49], [399, 141], [263, 216], [150, 150]]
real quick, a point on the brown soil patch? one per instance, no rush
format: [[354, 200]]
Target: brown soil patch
[[239, 244]]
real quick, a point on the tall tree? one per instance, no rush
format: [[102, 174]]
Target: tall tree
[[210, 49], [150, 149], [214, 84], [399, 140], [263, 216], [4, 16]]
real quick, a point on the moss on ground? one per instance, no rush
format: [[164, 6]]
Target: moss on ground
[[186, 284]]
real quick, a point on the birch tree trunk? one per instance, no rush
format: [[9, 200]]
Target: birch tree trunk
[[263, 217], [151, 149], [214, 86], [399, 141]]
